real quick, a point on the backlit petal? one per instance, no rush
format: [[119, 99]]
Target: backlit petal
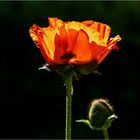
[[42, 41], [72, 38], [56, 24], [93, 35], [97, 51], [103, 29], [82, 49], [112, 42], [61, 45]]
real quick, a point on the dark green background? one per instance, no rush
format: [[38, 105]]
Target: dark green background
[[32, 102]]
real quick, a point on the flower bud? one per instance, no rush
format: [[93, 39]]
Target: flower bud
[[101, 114]]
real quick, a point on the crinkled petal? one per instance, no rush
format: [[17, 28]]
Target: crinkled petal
[[61, 46], [112, 42], [103, 29], [82, 49], [111, 45], [97, 52], [43, 41], [72, 38], [56, 24], [64, 45], [93, 35]]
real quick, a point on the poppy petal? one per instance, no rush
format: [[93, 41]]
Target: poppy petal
[[82, 49], [42, 41], [97, 51], [61, 45], [103, 29], [103, 55], [112, 42], [111, 45], [93, 35], [55, 22], [34, 30], [72, 38]]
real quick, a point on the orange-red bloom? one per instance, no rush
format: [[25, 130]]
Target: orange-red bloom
[[73, 42]]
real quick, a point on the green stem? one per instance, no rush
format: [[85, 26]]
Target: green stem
[[69, 90], [105, 133]]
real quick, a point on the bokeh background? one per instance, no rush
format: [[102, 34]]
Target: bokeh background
[[32, 102]]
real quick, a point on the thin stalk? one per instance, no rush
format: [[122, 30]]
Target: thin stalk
[[105, 133], [69, 91]]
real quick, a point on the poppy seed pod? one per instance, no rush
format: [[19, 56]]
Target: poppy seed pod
[[99, 112]]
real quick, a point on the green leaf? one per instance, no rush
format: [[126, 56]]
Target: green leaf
[[87, 122], [109, 121]]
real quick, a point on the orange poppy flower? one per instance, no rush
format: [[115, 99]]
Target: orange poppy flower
[[73, 42]]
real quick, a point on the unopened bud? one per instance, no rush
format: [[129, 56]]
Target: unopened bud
[[101, 114]]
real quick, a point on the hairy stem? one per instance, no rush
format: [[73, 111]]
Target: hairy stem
[[105, 133], [69, 91]]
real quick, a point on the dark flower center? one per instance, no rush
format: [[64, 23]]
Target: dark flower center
[[67, 56]]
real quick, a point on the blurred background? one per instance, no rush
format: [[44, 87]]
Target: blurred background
[[32, 102]]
